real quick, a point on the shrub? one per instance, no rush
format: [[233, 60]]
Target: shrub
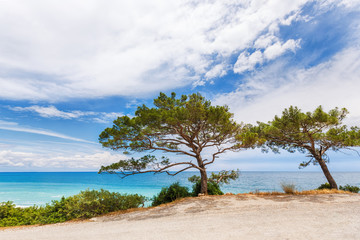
[[213, 188], [214, 182], [169, 194], [10, 215], [324, 186], [349, 188], [288, 188], [92, 203], [86, 204], [176, 191]]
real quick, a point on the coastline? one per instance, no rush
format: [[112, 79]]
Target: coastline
[[28, 189], [324, 216]]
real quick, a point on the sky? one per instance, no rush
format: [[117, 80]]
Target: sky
[[69, 68]]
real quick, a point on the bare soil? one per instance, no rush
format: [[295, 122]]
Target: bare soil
[[325, 216]]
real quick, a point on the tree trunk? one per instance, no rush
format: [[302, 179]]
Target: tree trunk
[[204, 189], [326, 172]]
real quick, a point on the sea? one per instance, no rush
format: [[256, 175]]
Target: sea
[[38, 188]]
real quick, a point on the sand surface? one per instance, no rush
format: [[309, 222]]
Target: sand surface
[[331, 216]]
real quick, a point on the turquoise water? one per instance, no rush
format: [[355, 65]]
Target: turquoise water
[[29, 188]]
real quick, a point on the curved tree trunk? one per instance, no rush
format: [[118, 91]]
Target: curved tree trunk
[[204, 179], [326, 172]]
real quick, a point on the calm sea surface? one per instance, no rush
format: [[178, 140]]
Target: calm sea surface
[[29, 188]]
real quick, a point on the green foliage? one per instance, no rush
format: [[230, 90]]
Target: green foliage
[[224, 177], [288, 188], [132, 165], [349, 188], [86, 204], [194, 179], [181, 118], [214, 181], [213, 189], [92, 203], [324, 186], [10, 215], [186, 125], [176, 191], [311, 132], [171, 193]]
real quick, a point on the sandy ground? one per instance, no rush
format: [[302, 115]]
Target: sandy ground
[[331, 216]]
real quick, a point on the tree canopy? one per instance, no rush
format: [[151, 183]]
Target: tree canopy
[[312, 132], [187, 126]]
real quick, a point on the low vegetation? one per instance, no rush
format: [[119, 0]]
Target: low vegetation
[[92, 203], [324, 186], [305, 192], [169, 194], [288, 188], [86, 204], [347, 187], [176, 191], [213, 189]]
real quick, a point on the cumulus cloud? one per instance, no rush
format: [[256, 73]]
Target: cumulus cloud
[[270, 51], [218, 70], [53, 112], [334, 83], [279, 48], [247, 62], [54, 51]]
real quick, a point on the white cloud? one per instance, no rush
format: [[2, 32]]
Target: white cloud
[[332, 84], [277, 49], [11, 126], [53, 51], [134, 103], [218, 70], [7, 123], [107, 117], [53, 112], [248, 62], [29, 160], [265, 40]]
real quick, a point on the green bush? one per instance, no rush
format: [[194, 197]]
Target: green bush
[[324, 186], [213, 188], [10, 215], [92, 203], [349, 188], [86, 204], [175, 191], [169, 194]]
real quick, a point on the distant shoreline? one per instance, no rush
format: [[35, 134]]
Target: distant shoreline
[[29, 188]]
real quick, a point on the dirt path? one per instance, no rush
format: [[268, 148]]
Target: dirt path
[[329, 216]]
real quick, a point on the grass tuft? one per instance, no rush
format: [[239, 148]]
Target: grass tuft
[[288, 188], [306, 192]]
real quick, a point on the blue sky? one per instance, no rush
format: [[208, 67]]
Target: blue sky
[[68, 69]]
